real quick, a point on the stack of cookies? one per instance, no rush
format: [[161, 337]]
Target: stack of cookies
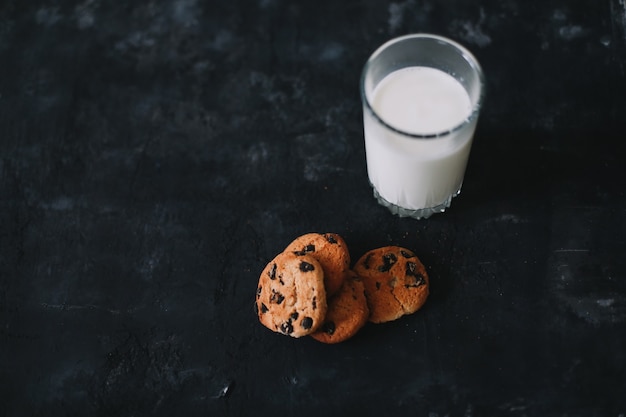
[[310, 290]]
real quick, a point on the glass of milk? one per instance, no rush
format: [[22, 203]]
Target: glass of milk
[[421, 98]]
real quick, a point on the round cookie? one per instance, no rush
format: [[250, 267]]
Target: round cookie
[[396, 282], [331, 251], [347, 312], [291, 298]]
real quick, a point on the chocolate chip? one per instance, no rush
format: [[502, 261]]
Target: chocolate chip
[[276, 297], [406, 254], [314, 303], [417, 278], [306, 267], [388, 261], [378, 285], [264, 308], [411, 269], [307, 249], [328, 327], [306, 323], [330, 238], [294, 315], [258, 291], [286, 327], [272, 272]]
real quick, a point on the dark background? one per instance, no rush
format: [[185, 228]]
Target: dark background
[[155, 155]]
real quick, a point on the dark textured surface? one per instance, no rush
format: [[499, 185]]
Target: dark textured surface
[[155, 155]]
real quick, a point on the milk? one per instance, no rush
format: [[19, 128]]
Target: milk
[[425, 171]]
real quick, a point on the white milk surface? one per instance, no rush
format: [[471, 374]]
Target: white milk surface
[[411, 172]]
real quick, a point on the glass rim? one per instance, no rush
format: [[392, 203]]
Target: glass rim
[[464, 52]]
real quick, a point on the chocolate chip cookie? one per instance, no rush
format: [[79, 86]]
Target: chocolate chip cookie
[[347, 312], [396, 282], [290, 297], [331, 251]]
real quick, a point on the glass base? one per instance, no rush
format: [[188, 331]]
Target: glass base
[[422, 213]]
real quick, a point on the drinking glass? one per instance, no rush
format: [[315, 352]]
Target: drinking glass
[[417, 174]]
